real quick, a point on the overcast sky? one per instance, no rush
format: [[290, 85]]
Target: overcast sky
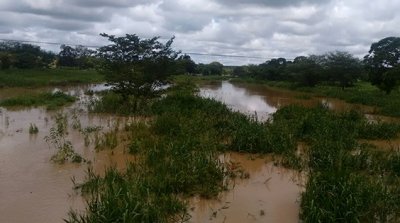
[[255, 28]]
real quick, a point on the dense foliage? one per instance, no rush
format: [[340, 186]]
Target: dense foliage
[[136, 67], [24, 56], [79, 56], [383, 63]]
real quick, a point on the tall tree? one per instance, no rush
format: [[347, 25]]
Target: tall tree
[[185, 65], [382, 57], [343, 68], [67, 56], [216, 68], [306, 71], [136, 67]]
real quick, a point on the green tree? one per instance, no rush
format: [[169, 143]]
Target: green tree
[[215, 68], [343, 68], [306, 71], [25, 56], [5, 60], [185, 65], [136, 67], [382, 57], [67, 56], [239, 71]]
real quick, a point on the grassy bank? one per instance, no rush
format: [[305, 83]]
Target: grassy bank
[[177, 154], [47, 77], [49, 100]]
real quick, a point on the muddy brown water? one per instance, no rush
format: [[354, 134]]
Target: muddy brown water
[[270, 194], [33, 189]]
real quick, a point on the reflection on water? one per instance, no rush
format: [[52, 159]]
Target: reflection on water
[[239, 99]]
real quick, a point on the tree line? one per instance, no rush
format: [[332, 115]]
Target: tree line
[[380, 66]]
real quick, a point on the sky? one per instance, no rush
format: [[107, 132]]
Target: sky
[[258, 29]]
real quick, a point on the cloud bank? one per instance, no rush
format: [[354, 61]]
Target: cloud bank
[[254, 28]]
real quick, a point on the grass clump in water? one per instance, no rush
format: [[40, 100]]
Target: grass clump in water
[[50, 100], [111, 102], [57, 139], [33, 129], [127, 197]]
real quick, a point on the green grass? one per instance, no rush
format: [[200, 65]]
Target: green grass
[[47, 77], [347, 181], [50, 100]]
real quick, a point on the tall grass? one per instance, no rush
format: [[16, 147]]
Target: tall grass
[[110, 102]]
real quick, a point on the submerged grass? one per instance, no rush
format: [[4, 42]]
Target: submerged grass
[[347, 181], [113, 103], [50, 100], [33, 129], [57, 139]]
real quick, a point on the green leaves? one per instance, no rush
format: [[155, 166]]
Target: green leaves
[[135, 66], [382, 62]]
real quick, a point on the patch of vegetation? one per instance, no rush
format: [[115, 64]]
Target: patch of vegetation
[[87, 133], [347, 181], [33, 129], [50, 100], [47, 77], [128, 197], [57, 139], [111, 102]]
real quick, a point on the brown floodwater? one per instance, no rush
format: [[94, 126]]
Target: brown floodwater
[[270, 194], [33, 189]]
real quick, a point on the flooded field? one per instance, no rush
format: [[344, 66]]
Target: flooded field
[[271, 194], [33, 189]]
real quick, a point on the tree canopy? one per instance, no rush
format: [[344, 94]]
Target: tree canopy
[[342, 68], [382, 63], [79, 56], [135, 66], [24, 56]]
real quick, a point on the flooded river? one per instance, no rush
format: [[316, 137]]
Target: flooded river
[[262, 101], [33, 189]]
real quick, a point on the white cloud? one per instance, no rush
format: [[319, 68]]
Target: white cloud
[[259, 28]]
